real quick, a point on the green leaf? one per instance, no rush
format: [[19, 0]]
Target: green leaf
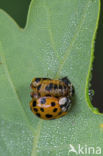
[[57, 41]]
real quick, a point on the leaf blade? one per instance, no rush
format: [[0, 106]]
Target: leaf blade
[[38, 50]]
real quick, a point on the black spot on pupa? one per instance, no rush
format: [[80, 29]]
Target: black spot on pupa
[[37, 79], [55, 110], [43, 101], [61, 106], [49, 115], [65, 87], [42, 109], [66, 81], [53, 104], [46, 79], [60, 87], [49, 87], [38, 114], [38, 88], [55, 86], [34, 103], [35, 109]]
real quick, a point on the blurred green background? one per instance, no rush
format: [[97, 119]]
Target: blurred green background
[[97, 73], [18, 9]]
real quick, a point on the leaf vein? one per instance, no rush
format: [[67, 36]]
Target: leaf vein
[[50, 30], [67, 52]]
